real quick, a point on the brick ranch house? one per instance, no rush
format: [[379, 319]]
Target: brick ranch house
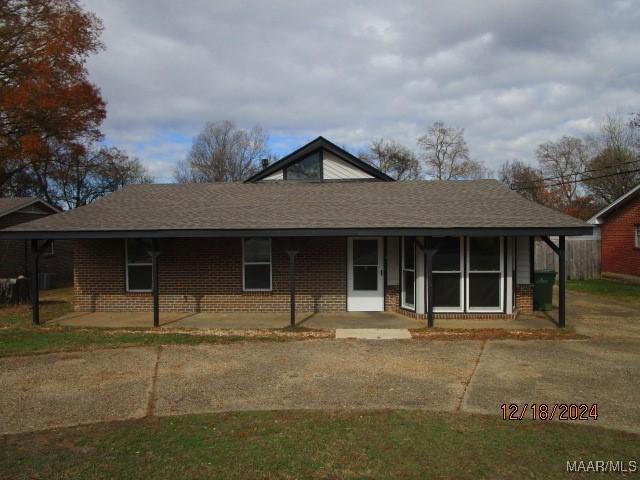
[[15, 254], [619, 228], [318, 230]]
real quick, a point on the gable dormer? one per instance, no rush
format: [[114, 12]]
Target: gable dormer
[[319, 161]]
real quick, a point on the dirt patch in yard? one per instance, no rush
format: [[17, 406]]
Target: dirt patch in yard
[[279, 334], [494, 334]]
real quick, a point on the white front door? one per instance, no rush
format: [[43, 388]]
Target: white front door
[[365, 275]]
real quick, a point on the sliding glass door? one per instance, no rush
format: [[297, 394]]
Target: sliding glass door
[[485, 267], [448, 280]]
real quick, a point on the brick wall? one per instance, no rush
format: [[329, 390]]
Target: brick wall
[[619, 253], [524, 297], [206, 275], [392, 298]]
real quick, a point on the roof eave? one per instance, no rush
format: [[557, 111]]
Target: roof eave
[[618, 202], [299, 232]]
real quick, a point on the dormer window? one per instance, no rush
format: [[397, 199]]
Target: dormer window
[[319, 161], [308, 168]]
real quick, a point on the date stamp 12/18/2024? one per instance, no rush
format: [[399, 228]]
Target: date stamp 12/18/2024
[[549, 411]]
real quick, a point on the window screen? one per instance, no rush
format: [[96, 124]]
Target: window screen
[[447, 273]]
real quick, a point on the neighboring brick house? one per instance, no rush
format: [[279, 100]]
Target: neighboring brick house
[[15, 254], [318, 230], [619, 228]]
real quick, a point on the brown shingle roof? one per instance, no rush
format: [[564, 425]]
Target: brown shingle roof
[[12, 204], [290, 205]]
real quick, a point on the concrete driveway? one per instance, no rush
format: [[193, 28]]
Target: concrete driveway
[[66, 389]]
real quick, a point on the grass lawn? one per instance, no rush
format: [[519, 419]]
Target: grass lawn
[[391, 444], [19, 337], [610, 288]]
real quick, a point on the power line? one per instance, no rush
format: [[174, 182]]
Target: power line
[[558, 177], [531, 187]]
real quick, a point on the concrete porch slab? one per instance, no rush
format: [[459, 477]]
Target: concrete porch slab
[[238, 320], [351, 320], [532, 321], [374, 333], [321, 321], [116, 319]]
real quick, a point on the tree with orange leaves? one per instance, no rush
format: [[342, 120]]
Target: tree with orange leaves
[[46, 100]]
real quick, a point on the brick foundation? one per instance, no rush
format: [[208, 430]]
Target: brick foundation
[[206, 275], [459, 315], [524, 297], [392, 298]]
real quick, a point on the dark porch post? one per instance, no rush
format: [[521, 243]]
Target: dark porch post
[[560, 251], [36, 251], [561, 286], [155, 253], [35, 291], [292, 251]]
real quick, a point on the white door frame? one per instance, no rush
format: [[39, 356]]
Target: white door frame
[[365, 300]]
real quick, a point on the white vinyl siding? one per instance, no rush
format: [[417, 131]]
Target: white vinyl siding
[[337, 169], [334, 168], [393, 256], [523, 265], [278, 175]]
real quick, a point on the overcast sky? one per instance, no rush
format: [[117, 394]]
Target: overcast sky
[[512, 73]]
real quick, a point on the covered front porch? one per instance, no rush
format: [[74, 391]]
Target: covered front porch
[[315, 282]]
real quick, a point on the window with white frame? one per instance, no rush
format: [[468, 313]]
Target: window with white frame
[[408, 273], [485, 266], [447, 271], [637, 236], [139, 266], [256, 264]]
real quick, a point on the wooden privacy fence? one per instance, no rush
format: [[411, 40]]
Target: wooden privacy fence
[[582, 258]]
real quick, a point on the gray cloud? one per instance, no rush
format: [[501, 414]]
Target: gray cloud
[[512, 73]]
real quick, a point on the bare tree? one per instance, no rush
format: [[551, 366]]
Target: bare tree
[[446, 155], [77, 175], [392, 158], [223, 152], [564, 161], [524, 179], [83, 177], [614, 167]]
